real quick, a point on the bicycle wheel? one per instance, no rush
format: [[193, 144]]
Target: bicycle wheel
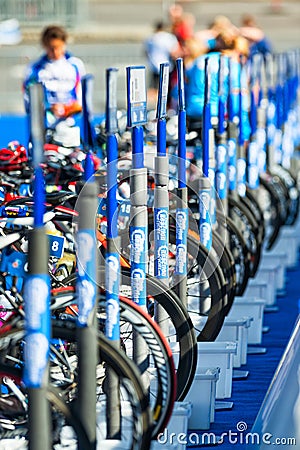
[[13, 421], [163, 389], [131, 388], [276, 213], [181, 330], [206, 286], [209, 292], [252, 202], [227, 264], [244, 218], [239, 251], [291, 191], [157, 365]]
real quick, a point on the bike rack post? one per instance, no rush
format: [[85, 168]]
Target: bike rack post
[[253, 148], [86, 288], [221, 147], [270, 110], [112, 258], [88, 133], [136, 117], [161, 195], [279, 101], [87, 128], [37, 293], [182, 216], [261, 131], [232, 130], [288, 125], [206, 186], [241, 154]]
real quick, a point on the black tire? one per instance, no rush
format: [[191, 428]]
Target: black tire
[[134, 320], [120, 364], [240, 213], [183, 329], [208, 264], [161, 355], [240, 253], [184, 333], [278, 211]]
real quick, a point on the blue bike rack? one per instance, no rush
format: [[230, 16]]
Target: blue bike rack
[[232, 132], [136, 117], [87, 287], [182, 215], [112, 257], [138, 229], [161, 197], [37, 293], [206, 187], [241, 157]]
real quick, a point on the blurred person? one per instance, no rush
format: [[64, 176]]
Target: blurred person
[[182, 26], [258, 42], [182, 23], [59, 72], [220, 24], [234, 47], [193, 48], [195, 71], [276, 6], [161, 47]]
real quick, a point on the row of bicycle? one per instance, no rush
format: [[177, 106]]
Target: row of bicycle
[[215, 277], [243, 225]]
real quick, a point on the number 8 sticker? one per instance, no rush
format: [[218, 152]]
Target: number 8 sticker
[[56, 245]]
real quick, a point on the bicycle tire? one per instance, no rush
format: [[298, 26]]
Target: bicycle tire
[[178, 315], [240, 252], [278, 209], [209, 262], [134, 319], [204, 259], [120, 364], [162, 355], [185, 334], [292, 193], [53, 395], [239, 211]]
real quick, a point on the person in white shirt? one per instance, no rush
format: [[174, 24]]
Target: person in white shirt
[[60, 73], [161, 47]]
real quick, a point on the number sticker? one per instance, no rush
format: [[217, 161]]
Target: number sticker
[[56, 245], [136, 96]]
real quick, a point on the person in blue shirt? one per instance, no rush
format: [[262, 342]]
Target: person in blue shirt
[[60, 73]]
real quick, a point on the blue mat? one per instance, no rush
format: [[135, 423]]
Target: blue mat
[[248, 394]]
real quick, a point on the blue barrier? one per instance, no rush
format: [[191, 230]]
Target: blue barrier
[[14, 127]]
